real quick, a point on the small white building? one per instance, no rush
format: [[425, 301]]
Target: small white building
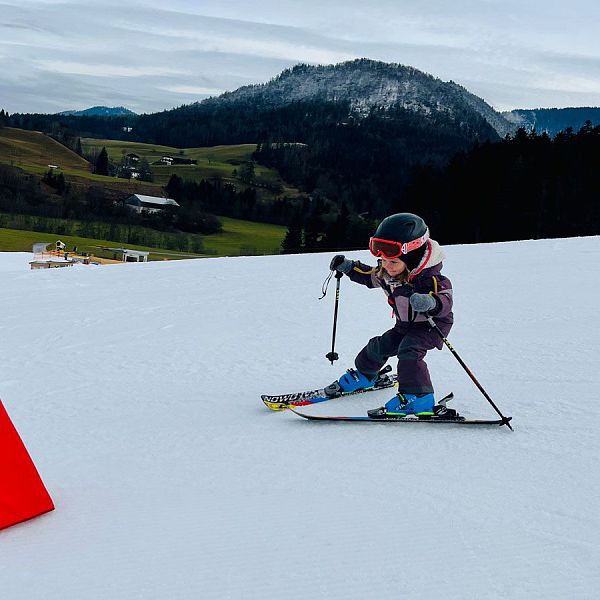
[[127, 255], [151, 204]]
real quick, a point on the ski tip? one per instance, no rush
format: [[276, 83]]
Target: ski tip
[[304, 415], [276, 406], [292, 409]]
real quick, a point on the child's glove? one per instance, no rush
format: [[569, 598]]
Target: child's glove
[[422, 303], [341, 263]]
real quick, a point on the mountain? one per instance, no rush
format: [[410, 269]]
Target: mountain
[[171, 480], [365, 84], [350, 90], [552, 120], [100, 111], [397, 105]]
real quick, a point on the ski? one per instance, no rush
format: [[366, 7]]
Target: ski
[[284, 401], [407, 419]]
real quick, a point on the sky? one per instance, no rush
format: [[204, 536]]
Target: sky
[[149, 55], [136, 390]]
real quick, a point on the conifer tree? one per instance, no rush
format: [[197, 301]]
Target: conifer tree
[[293, 238], [102, 163]]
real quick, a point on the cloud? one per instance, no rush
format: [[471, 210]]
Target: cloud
[[193, 90], [137, 53], [106, 70]]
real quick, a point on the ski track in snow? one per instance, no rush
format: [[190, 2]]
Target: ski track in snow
[[136, 389]]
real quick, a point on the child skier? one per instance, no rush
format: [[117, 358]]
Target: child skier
[[409, 272]]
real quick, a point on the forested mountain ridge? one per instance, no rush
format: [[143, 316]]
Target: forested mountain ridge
[[553, 120], [100, 111], [365, 85]]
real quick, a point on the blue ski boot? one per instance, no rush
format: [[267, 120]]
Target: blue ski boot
[[351, 381], [420, 405]]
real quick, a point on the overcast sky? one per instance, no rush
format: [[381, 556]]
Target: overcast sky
[[152, 55]]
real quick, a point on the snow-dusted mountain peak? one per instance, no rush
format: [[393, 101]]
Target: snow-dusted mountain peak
[[366, 84]]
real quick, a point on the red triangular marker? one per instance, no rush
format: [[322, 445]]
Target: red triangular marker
[[22, 493]]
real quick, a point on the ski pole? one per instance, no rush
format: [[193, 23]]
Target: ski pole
[[333, 354], [505, 420]]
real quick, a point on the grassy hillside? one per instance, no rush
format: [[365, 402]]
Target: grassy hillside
[[245, 237], [33, 151], [14, 240], [238, 238], [216, 161]]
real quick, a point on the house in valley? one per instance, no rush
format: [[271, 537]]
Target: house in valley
[[149, 204]]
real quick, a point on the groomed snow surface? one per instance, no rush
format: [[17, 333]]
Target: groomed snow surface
[[136, 389]]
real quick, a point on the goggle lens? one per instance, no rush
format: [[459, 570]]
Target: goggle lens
[[385, 248], [390, 249]]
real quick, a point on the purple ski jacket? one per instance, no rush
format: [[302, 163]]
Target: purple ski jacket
[[425, 278]]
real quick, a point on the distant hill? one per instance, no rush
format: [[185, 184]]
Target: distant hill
[[301, 100], [365, 84], [34, 152], [553, 120], [99, 111]]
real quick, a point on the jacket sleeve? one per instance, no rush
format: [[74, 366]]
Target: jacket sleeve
[[442, 291], [364, 274]]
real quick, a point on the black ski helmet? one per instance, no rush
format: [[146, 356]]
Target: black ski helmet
[[404, 228], [401, 227]]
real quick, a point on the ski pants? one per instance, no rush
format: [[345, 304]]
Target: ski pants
[[410, 346]]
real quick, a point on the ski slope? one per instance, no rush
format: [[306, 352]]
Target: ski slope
[[136, 389]]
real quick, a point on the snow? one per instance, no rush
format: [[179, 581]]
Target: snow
[[136, 389], [14, 261]]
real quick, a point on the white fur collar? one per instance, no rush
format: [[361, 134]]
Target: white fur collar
[[436, 256]]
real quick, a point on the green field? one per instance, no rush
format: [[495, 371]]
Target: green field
[[238, 238], [14, 240], [34, 152], [245, 237], [214, 161]]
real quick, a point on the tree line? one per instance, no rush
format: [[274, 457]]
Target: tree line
[[526, 186], [100, 230], [529, 186], [54, 197], [218, 197]]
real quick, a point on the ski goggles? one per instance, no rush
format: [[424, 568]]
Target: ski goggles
[[390, 249]]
